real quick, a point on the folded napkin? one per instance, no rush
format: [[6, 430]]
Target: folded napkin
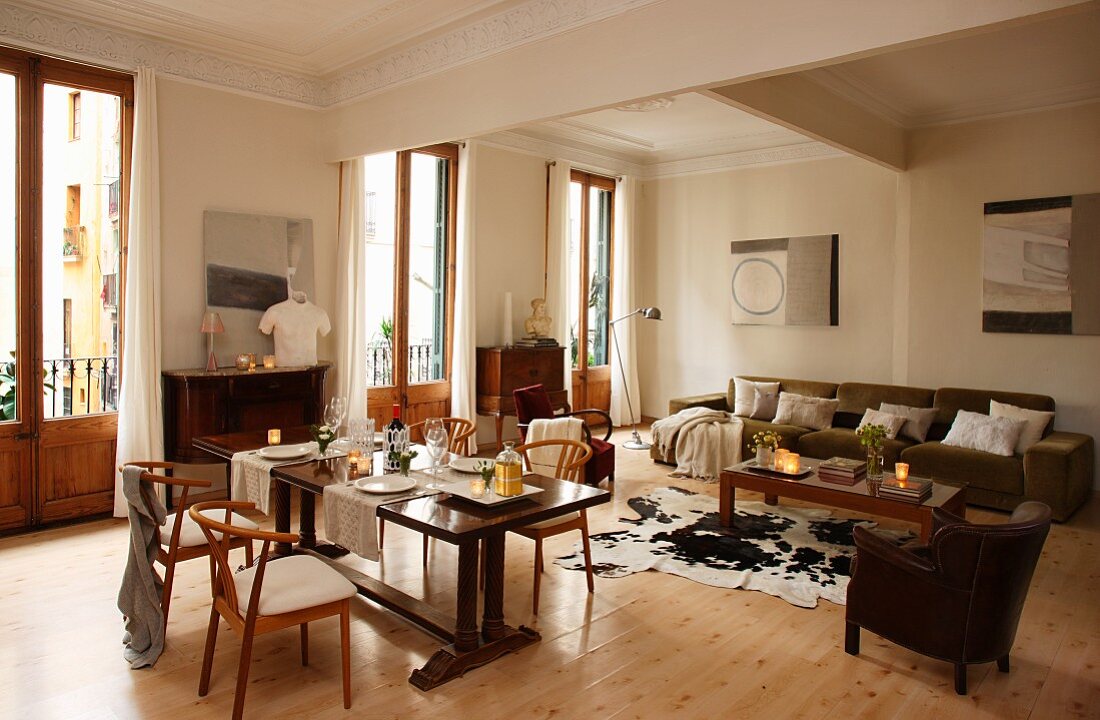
[[250, 475], [351, 515]]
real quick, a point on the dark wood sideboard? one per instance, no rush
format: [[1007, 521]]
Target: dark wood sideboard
[[197, 403], [501, 370]]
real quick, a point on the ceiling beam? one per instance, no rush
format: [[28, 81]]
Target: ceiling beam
[[799, 104]]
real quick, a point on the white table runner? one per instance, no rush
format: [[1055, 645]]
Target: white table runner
[[250, 475]]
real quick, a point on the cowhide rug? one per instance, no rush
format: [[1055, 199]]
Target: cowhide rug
[[797, 554]]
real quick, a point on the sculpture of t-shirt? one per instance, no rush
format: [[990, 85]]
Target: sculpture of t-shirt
[[296, 325]]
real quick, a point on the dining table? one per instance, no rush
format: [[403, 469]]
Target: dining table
[[476, 530]]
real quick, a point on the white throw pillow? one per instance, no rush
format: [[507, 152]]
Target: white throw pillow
[[804, 411], [744, 395], [981, 432], [892, 423], [917, 420], [1036, 420], [767, 402]]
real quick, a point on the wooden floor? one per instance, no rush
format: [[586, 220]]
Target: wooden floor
[[646, 646]]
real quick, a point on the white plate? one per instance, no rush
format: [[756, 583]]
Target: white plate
[[385, 484], [467, 464], [284, 452]]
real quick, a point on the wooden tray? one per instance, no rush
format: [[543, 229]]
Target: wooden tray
[[751, 466]]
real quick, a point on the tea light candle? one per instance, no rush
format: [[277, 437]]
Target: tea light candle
[[274, 436], [477, 487], [251, 362], [353, 464], [901, 471], [269, 361], [793, 462], [781, 458]]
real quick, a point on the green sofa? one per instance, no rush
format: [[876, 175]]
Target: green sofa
[[1058, 470]]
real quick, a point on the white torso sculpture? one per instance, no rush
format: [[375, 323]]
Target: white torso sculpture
[[538, 325], [295, 322]]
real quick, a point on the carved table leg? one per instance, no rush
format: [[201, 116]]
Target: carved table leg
[[492, 626], [466, 622], [771, 499], [282, 515], [307, 519]]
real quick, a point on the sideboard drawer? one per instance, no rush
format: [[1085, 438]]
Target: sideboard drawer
[[269, 387]]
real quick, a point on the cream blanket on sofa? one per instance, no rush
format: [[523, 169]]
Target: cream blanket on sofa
[[705, 441]]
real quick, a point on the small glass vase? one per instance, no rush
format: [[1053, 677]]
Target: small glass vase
[[403, 466], [874, 469], [765, 456]]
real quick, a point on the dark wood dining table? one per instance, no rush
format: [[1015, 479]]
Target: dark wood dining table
[[445, 517]]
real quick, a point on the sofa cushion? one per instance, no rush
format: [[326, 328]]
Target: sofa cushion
[[856, 398], [745, 403], [917, 420], [956, 466], [889, 422], [949, 401], [805, 411], [977, 431], [788, 435], [1037, 421], [843, 442], [811, 388]]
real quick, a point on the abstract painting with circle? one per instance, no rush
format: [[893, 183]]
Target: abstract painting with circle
[[785, 281]]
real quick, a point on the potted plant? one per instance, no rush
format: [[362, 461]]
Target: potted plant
[[404, 459], [764, 443], [873, 437], [322, 435]]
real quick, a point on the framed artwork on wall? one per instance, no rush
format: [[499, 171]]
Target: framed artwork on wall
[[1039, 266], [785, 281]]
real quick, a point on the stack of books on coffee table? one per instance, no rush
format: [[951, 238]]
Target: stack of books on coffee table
[[842, 471], [911, 489]]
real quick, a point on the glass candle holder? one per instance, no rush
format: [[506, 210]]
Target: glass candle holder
[[781, 459], [274, 436], [269, 361], [793, 462], [477, 487], [901, 471], [353, 465]]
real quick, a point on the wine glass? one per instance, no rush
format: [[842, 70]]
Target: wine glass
[[334, 414], [435, 436]]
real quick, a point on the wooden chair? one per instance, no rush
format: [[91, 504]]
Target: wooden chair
[[269, 596], [185, 541], [569, 466], [459, 432], [533, 403]]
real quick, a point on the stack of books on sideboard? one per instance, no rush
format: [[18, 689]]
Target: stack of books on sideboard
[[842, 471], [911, 489]]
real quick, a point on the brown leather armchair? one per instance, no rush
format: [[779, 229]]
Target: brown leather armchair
[[957, 599]]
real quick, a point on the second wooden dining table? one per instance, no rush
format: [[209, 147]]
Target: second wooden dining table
[[444, 517]]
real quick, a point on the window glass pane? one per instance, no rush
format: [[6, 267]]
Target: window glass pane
[[8, 276], [599, 273], [573, 290], [380, 186], [427, 280], [81, 158]]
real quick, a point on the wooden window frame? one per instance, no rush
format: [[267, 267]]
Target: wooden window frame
[[589, 180]]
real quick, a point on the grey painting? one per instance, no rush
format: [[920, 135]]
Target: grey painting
[[1038, 259], [785, 281], [251, 260]]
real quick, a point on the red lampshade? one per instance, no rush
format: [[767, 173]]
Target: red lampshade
[[212, 323]]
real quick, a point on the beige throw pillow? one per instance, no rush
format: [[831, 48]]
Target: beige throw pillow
[[1036, 420], [744, 396], [804, 411], [767, 402], [917, 420], [892, 423], [981, 432]]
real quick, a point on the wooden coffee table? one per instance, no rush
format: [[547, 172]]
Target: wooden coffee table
[[855, 497]]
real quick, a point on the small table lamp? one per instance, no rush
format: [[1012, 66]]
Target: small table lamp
[[211, 323]]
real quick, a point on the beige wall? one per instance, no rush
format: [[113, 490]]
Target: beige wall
[[224, 151], [954, 170], [509, 237], [684, 265]]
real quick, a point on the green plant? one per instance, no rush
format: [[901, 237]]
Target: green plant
[[872, 436], [8, 395], [385, 328], [323, 435], [404, 459], [486, 468]]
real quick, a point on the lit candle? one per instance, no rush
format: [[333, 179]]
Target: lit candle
[[274, 436], [901, 472], [353, 464], [781, 459], [269, 361], [477, 487], [793, 464], [251, 362]]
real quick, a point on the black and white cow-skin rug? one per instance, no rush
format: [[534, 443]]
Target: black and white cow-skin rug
[[797, 554]]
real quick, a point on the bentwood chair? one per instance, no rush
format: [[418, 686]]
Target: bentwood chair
[[459, 432], [184, 541], [269, 596], [533, 403], [571, 456], [959, 598]]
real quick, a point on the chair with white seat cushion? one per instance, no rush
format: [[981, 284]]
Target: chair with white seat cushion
[[182, 541], [565, 460], [270, 595]]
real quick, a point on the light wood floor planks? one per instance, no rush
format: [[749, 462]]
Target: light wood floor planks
[[646, 646]]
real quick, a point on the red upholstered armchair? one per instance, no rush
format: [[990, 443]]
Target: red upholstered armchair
[[532, 403], [957, 599]]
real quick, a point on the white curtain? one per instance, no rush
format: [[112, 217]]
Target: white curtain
[[623, 302], [351, 291], [559, 280], [464, 351], [140, 415]]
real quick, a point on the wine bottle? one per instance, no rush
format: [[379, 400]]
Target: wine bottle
[[394, 440]]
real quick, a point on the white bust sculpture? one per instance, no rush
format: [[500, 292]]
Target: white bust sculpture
[[295, 322], [538, 325]]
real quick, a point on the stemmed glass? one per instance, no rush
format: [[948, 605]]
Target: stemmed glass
[[334, 414], [435, 436]]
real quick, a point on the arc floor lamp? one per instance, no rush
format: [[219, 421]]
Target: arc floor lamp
[[649, 313]]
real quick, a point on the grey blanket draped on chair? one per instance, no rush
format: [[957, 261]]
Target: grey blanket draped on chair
[[139, 596]]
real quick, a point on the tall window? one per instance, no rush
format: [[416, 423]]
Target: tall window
[[410, 259], [74, 116], [591, 200]]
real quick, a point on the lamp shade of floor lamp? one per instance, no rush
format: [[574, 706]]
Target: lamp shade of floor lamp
[[649, 313], [211, 324]]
